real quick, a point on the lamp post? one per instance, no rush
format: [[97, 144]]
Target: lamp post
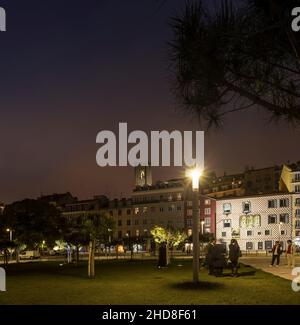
[[10, 234], [280, 224], [195, 176]]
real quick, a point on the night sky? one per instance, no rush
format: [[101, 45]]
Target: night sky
[[69, 69]]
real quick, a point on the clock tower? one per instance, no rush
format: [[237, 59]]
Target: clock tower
[[143, 176]]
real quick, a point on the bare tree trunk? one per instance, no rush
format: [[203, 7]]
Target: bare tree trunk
[[91, 262], [77, 255]]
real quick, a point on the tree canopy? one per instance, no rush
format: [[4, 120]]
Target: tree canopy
[[238, 57]]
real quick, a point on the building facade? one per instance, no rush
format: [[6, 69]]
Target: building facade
[[257, 221]]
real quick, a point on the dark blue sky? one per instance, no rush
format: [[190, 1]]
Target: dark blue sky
[[69, 69]]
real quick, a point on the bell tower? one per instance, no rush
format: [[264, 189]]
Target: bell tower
[[143, 176]]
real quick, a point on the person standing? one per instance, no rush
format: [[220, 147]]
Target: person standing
[[209, 256], [276, 252], [218, 258], [291, 254], [234, 255]]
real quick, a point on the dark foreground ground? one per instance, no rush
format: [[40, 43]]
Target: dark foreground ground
[[140, 282]]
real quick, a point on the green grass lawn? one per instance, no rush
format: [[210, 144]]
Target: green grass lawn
[[140, 282]]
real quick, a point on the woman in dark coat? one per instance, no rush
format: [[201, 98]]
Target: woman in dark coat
[[218, 258], [234, 255]]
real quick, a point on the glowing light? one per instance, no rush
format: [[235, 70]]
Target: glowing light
[[195, 175]]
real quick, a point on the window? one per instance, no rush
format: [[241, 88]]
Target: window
[[128, 212], [297, 224], [297, 177], [207, 202], [144, 221], [137, 233], [260, 245], [297, 189], [136, 222], [297, 212], [189, 222], [111, 213], [189, 212], [136, 210], [268, 244], [226, 208], [145, 209], [207, 222], [249, 246], [298, 202], [267, 232], [272, 204], [272, 218], [223, 234], [207, 211], [153, 209], [120, 223], [227, 223], [178, 208], [119, 212], [283, 232], [249, 232], [179, 197], [128, 222], [284, 203], [246, 207], [190, 203], [259, 233], [161, 209], [284, 218], [120, 234], [128, 233]]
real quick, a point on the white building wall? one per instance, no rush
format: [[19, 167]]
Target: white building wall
[[259, 207]]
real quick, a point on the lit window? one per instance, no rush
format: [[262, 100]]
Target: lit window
[[207, 202], [227, 208], [145, 209], [227, 223], [246, 207], [136, 210], [207, 222], [207, 211]]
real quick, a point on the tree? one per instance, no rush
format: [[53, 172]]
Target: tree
[[97, 227], [166, 239], [32, 222], [75, 234], [235, 59], [131, 241]]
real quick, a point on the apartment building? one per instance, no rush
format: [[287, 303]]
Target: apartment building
[[258, 221]]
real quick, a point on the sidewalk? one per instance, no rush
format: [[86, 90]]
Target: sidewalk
[[263, 263]]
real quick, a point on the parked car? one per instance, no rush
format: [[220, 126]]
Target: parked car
[[29, 255]]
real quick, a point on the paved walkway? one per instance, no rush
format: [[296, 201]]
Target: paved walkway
[[263, 263]]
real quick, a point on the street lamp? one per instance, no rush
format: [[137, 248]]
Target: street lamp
[[195, 174], [10, 234], [280, 224]]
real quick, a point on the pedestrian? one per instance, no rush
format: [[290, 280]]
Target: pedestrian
[[218, 258], [291, 254], [276, 252], [234, 255], [209, 256]]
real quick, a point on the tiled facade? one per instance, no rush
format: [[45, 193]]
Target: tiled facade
[[257, 221]]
